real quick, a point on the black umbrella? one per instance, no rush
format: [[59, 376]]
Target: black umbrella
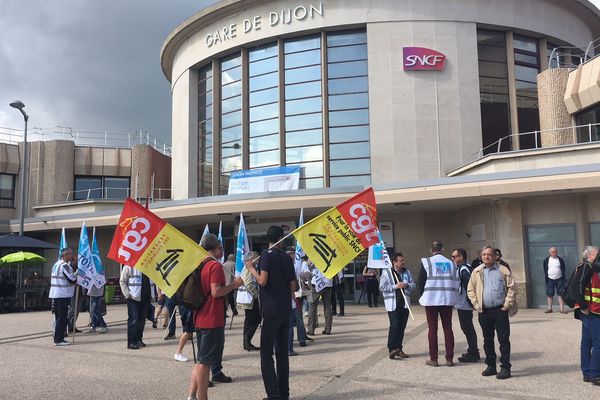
[[22, 242]]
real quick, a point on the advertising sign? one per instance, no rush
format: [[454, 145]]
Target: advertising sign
[[423, 59], [264, 180]]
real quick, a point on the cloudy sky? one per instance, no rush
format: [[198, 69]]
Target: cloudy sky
[[89, 65]]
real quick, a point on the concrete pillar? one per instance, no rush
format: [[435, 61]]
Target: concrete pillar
[[552, 84], [147, 162], [582, 225]]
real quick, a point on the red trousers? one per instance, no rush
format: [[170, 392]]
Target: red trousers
[[445, 313]]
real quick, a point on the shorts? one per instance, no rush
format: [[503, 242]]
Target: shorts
[[555, 285], [187, 319], [210, 344]]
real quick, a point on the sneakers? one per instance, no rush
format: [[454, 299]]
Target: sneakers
[[180, 357], [103, 330], [394, 353], [503, 374], [432, 363], [221, 377], [403, 354], [90, 331], [63, 343], [489, 371]]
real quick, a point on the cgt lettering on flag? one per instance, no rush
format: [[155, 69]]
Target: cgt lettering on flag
[[340, 234], [146, 242]]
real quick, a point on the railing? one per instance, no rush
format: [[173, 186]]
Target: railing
[[112, 193], [580, 134], [86, 138], [581, 55]]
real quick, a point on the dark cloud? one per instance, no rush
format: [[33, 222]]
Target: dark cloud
[[91, 65]]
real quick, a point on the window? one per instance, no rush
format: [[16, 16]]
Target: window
[[99, 187], [493, 89], [527, 67], [205, 127], [590, 117], [349, 152], [7, 191], [231, 118]]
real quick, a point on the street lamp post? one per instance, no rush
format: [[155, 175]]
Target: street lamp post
[[19, 106]]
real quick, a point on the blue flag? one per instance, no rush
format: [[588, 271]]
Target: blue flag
[[86, 271], [63, 242], [96, 255], [242, 247], [378, 255], [220, 237], [204, 233]]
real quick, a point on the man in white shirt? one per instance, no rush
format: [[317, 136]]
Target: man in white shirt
[[554, 271]]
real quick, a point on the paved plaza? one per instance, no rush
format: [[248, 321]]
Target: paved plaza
[[350, 364]]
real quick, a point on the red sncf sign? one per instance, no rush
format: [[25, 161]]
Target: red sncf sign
[[423, 59]]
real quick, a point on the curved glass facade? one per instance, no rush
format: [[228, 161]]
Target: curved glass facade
[[299, 101]]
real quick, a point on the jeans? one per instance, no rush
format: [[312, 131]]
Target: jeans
[[590, 346], [274, 332], [60, 318], [491, 320], [398, 319], [95, 315], [251, 322], [465, 317], [372, 291], [445, 313], [136, 319]]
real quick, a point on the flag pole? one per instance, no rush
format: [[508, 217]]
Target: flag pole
[[276, 243], [408, 305], [75, 313], [170, 319]]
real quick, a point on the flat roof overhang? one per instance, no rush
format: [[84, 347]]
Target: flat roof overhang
[[431, 195]]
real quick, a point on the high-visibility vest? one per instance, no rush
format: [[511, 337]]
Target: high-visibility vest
[[592, 294], [134, 283], [463, 303], [441, 287], [60, 286]]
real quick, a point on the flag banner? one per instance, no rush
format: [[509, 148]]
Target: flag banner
[[205, 232], [86, 271], [220, 237], [378, 255], [242, 247], [340, 234], [99, 279], [299, 252], [63, 242], [154, 247]]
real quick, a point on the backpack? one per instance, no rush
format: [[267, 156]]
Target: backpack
[[570, 293], [190, 291]]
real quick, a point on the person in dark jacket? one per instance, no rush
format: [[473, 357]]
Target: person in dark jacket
[[554, 273]]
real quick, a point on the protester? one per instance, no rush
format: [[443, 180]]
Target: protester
[[62, 286], [464, 306], [322, 287], [396, 284], [498, 259], [296, 318], [136, 288], [76, 300], [477, 261], [492, 292], [337, 294], [248, 299], [96, 320], [438, 281], [587, 310], [277, 280], [372, 288], [229, 270], [209, 320], [160, 299], [187, 325], [554, 273]]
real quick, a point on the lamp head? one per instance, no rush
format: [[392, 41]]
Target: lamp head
[[18, 104]]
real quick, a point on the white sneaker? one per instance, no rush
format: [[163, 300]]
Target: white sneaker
[[103, 330], [180, 357], [306, 313], [63, 343]]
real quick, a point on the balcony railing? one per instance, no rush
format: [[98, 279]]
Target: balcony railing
[[567, 136], [86, 138], [113, 193]]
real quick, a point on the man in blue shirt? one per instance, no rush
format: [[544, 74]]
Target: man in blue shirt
[[277, 281]]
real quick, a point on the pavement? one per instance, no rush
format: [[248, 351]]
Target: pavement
[[350, 364]]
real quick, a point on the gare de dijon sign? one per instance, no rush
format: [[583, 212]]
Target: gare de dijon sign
[[274, 18]]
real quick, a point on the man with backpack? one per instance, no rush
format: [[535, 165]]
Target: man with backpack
[[464, 306], [209, 319], [587, 309]]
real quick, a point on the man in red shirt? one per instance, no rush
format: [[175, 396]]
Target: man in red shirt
[[209, 321]]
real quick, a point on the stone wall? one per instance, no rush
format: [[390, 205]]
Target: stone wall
[[552, 84]]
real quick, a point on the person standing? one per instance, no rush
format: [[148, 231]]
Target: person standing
[[337, 295], [277, 280], [62, 287], [209, 321], [438, 281], [499, 260], [229, 270], [250, 304], [587, 310], [372, 288], [136, 289], [464, 307], [392, 284], [554, 272], [477, 261], [321, 287], [97, 321], [492, 292], [76, 302]]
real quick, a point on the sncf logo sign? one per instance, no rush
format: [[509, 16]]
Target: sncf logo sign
[[423, 59]]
